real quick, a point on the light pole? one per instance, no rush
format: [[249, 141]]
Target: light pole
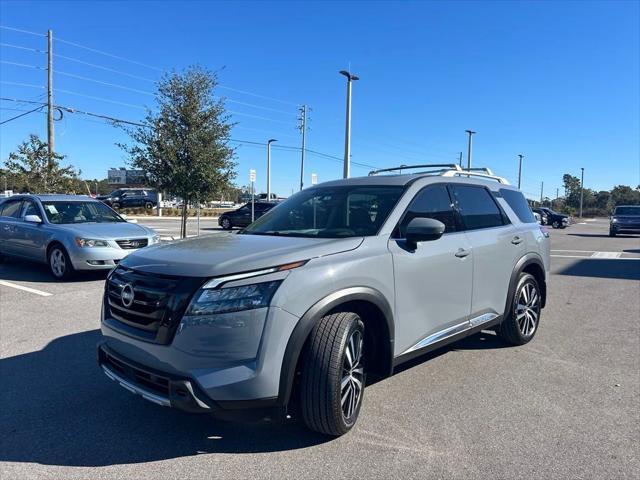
[[470, 132], [520, 170], [271, 140], [347, 133], [581, 189]]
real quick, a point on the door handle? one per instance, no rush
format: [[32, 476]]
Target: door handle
[[516, 240], [461, 253]]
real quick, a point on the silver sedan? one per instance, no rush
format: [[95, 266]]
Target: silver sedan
[[68, 232]]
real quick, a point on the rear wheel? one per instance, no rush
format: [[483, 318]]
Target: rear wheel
[[521, 321], [148, 205], [115, 206], [226, 224], [60, 263], [333, 376]]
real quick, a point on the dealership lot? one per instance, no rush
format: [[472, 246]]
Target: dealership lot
[[564, 406]]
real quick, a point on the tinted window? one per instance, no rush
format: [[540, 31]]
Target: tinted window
[[627, 211], [11, 208], [79, 212], [477, 207], [519, 205], [432, 202], [32, 209]]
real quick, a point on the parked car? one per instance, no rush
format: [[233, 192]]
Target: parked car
[[242, 216], [549, 217], [68, 232], [624, 219], [342, 282], [538, 218], [130, 198]]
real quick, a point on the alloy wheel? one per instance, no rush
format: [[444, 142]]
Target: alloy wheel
[[352, 376], [528, 309], [58, 262]]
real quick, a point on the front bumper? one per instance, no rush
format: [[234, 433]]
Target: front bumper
[[100, 258], [625, 227]]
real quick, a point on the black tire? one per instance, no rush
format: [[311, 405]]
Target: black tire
[[522, 319], [612, 232], [226, 224], [59, 262], [326, 365], [555, 224], [148, 205]]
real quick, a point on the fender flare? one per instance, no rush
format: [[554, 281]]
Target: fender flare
[[310, 318], [526, 260]]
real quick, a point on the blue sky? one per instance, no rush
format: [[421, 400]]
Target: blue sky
[[555, 81]]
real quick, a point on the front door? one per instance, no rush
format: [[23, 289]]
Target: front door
[[432, 282]]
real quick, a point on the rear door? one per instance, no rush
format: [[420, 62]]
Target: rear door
[[432, 282], [496, 244], [9, 216]]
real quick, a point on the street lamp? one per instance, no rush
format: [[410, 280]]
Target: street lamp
[[470, 132], [520, 170], [347, 133], [271, 140]]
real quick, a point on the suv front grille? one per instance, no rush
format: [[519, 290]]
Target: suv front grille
[[132, 243], [146, 305]]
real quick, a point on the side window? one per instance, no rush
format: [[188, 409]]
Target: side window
[[11, 208], [32, 209], [477, 207], [432, 202], [518, 204]]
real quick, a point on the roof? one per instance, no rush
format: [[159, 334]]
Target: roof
[[56, 197]]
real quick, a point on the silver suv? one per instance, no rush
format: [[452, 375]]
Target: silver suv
[[335, 286]]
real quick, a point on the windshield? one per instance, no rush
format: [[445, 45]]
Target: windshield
[[329, 212], [627, 211], [79, 212]]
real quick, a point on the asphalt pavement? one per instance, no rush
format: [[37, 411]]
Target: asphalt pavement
[[565, 406]]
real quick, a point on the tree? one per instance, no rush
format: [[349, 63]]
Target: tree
[[183, 146], [572, 190], [625, 195], [32, 170]]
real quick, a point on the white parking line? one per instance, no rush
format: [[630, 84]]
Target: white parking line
[[26, 289], [595, 258], [606, 255], [580, 251]]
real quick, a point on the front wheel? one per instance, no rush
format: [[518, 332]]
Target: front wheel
[[226, 224], [521, 321], [60, 263], [556, 224], [333, 376], [612, 232], [148, 205], [115, 206]]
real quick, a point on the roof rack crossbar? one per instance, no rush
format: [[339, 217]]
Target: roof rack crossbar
[[447, 166], [471, 173]]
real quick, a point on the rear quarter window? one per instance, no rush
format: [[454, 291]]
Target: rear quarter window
[[518, 204]]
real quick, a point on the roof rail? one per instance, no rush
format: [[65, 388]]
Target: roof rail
[[442, 166], [472, 173]]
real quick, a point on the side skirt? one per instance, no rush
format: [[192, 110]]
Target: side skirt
[[472, 329]]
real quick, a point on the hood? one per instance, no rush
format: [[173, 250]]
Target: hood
[[220, 254], [108, 231]]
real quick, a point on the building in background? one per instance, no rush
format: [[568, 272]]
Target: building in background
[[123, 177]]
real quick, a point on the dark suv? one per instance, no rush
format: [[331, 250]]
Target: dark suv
[[555, 219], [625, 219], [242, 216], [130, 198]]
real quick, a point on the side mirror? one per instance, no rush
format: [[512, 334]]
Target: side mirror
[[32, 219], [423, 230]]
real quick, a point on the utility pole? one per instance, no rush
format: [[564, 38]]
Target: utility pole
[[541, 191], [50, 139], [460, 159], [303, 130], [469, 147], [347, 133], [581, 189], [557, 193], [520, 170], [271, 140]]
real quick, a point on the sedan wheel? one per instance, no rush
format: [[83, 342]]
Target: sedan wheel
[[556, 224], [59, 263]]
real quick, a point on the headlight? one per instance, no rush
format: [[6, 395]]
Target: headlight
[[90, 242], [233, 299], [614, 220]]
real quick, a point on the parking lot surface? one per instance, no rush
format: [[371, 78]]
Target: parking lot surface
[[567, 405]]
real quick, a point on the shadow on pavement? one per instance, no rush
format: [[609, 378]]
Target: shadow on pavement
[[25, 271], [603, 268], [58, 408]]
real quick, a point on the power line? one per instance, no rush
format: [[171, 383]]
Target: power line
[[115, 85], [258, 117], [101, 99], [24, 65], [265, 97], [10, 45], [230, 100], [22, 31], [113, 70], [19, 84], [22, 115]]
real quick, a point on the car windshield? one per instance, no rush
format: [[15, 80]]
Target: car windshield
[[627, 211], [329, 212], [79, 212]]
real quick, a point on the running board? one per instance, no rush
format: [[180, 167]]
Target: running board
[[451, 331]]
